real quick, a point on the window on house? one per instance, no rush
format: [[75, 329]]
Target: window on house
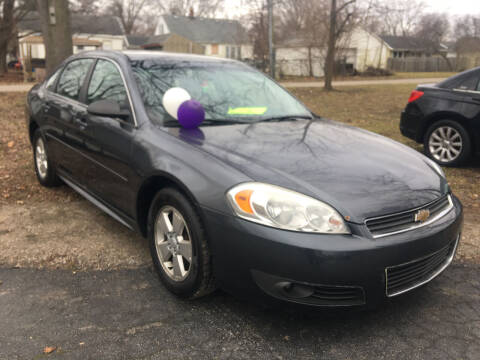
[[239, 52], [227, 50], [214, 49], [233, 52]]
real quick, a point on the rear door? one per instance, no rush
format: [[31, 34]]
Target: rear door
[[110, 139], [65, 111]]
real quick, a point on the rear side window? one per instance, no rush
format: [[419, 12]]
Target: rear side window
[[465, 81], [470, 83], [72, 78], [107, 84]]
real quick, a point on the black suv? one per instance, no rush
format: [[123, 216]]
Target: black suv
[[445, 117]]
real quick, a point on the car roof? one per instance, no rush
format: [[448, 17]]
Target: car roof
[[150, 55]]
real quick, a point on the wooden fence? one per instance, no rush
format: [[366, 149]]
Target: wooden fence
[[433, 64]]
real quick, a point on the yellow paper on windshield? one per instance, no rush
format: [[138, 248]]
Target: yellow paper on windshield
[[247, 110]]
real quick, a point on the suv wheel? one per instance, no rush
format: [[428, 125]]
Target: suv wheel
[[44, 168], [178, 245], [447, 143]]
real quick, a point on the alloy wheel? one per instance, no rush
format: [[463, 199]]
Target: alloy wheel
[[173, 243], [41, 158], [445, 144]]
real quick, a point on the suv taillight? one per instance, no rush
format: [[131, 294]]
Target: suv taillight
[[415, 95]]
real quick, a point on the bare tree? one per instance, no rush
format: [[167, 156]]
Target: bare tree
[[257, 21], [398, 17], [201, 8], [433, 30], [11, 12], [467, 26], [340, 17], [129, 12], [86, 7], [56, 29]]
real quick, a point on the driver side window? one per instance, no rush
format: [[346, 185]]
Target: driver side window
[[107, 84]]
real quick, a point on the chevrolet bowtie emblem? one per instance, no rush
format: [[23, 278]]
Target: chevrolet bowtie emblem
[[422, 215]]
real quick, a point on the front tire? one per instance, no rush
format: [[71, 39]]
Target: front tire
[[447, 143], [44, 168], [178, 245]]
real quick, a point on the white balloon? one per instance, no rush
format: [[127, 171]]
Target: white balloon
[[173, 98]]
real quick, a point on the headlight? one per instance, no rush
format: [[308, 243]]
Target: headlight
[[285, 209], [436, 167]]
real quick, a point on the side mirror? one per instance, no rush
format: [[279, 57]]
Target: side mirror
[[108, 108]]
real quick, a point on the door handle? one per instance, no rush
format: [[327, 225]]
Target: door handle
[[475, 98], [81, 122]]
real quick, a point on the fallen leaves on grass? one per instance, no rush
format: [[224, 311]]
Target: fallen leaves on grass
[[49, 349], [10, 144]]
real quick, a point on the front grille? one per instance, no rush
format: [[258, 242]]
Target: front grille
[[401, 278], [405, 221]]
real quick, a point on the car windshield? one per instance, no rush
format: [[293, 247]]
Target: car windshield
[[229, 92]]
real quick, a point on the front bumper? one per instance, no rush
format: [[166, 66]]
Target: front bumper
[[258, 262]]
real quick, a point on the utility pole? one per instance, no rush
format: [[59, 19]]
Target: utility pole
[[330, 59], [270, 38]]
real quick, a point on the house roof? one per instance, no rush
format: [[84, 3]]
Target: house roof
[[204, 30], [137, 40], [81, 24], [404, 42], [157, 39]]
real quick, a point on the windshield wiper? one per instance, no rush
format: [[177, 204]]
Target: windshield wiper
[[209, 122], [212, 122], [285, 118]]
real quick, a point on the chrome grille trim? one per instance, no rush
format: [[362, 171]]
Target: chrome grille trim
[[414, 225], [432, 276]]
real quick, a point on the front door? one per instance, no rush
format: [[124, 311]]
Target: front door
[[109, 140]]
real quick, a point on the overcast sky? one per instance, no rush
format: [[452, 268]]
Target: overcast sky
[[453, 7]]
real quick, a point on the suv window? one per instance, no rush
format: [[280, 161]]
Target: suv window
[[71, 80], [107, 84]]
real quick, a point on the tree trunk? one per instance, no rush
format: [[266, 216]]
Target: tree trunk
[[6, 31], [3, 61], [447, 60], [330, 59], [56, 30]]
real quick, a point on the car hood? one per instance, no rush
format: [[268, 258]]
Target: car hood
[[360, 173]]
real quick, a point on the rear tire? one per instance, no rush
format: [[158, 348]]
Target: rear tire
[[44, 168], [447, 143], [178, 245]]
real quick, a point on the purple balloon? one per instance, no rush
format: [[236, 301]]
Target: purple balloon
[[190, 114]]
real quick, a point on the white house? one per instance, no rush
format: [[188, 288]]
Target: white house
[[219, 37], [88, 33], [357, 51]]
